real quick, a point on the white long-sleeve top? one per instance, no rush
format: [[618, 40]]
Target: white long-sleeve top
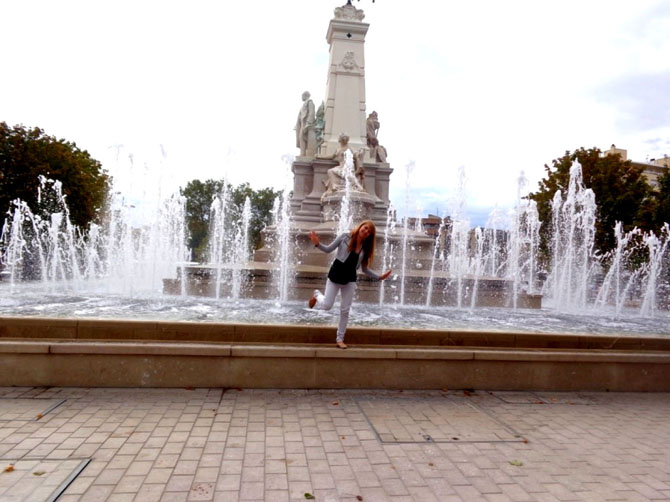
[[342, 245]]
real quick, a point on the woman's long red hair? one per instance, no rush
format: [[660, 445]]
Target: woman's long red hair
[[368, 243]]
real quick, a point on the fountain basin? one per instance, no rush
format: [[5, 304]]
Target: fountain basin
[[117, 353], [258, 282]]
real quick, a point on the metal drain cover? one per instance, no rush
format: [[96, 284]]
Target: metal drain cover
[[437, 420], [37, 480], [512, 397], [26, 409]]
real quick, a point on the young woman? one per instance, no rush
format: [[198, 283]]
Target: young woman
[[354, 250]]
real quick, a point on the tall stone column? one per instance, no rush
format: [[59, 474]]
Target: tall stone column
[[346, 80]]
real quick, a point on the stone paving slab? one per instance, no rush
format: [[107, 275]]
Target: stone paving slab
[[278, 445]]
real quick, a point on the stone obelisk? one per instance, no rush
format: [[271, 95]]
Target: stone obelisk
[[346, 80]]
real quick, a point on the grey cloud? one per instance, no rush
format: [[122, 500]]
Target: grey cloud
[[642, 101], [658, 142], [647, 20]]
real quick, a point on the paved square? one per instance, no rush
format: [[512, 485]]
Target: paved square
[[278, 445], [439, 419]]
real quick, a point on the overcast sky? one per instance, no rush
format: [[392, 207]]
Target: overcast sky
[[211, 88]]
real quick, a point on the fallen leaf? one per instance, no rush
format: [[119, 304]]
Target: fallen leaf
[[38, 473], [525, 440], [335, 403], [188, 388], [309, 496], [358, 497], [9, 468], [517, 463], [39, 415], [445, 390], [431, 464], [343, 437]]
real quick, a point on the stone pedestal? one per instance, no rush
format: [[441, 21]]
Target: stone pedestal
[[361, 205], [309, 180]]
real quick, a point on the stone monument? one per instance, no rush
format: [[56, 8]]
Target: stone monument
[[341, 164], [318, 184]]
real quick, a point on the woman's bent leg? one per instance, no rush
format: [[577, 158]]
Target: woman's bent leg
[[345, 305], [325, 302]]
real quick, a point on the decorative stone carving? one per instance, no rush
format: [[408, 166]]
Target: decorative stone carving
[[349, 13], [320, 125], [305, 135], [349, 170], [349, 62], [377, 151]]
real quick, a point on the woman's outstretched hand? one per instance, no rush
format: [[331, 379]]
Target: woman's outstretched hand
[[314, 238], [385, 275]]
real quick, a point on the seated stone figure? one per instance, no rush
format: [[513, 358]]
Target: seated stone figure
[[350, 168], [377, 151]]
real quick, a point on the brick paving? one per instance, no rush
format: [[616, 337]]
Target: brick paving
[[279, 445]]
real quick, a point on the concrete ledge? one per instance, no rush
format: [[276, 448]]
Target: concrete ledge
[[600, 356], [272, 351], [164, 349], [16, 347], [318, 352], [183, 331], [356, 353], [442, 354], [169, 364]]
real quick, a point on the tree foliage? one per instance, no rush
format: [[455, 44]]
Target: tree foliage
[[622, 193], [660, 209], [25, 154], [199, 196]]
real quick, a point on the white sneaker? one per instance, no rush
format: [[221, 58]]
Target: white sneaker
[[312, 300]]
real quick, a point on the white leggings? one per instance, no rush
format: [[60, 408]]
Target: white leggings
[[325, 302]]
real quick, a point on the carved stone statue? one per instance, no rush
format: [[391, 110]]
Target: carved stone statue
[[350, 168], [377, 151], [319, 126], [349, 13], [305, 136]]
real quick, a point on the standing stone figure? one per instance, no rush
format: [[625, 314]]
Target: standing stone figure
[[377, 151], [305, 137], [319, 126], [340, 174]]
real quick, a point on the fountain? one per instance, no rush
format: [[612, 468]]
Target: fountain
[[460, 286], [338, 179]]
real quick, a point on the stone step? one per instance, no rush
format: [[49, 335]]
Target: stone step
[[182, 331], [116, 363]]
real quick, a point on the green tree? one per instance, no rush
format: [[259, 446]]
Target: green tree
[[662, 199], [261, 208], [25, 154], [199, 196], [622, 193]]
